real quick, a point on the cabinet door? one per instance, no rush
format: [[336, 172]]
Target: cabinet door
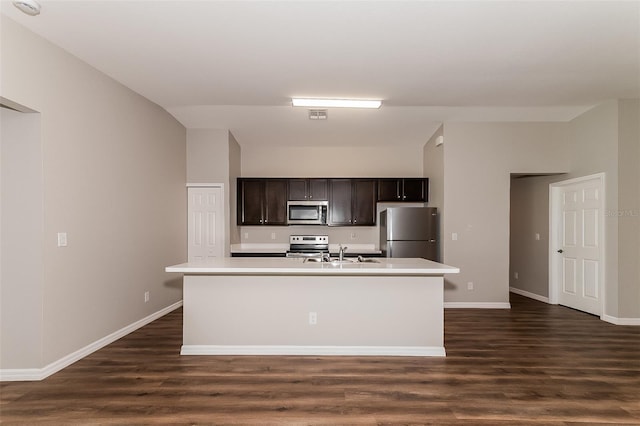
[[250, 200], [363, 197], [339, 202], [414, 190], [318, 189], [298, 189], [275, 204], [390, 190]]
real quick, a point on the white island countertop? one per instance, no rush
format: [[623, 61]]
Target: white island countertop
[[296, 266]]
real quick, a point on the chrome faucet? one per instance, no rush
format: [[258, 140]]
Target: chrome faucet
[[341, 252]]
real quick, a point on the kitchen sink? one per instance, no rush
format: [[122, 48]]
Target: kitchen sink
[[336, 262], [348, 261]]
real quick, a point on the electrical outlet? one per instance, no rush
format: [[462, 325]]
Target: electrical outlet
[[537, 237], [246, 235], [146, 296], [62, 239], [273, 235], [469, 285], [515, 275], [353, 235], [313, 318]]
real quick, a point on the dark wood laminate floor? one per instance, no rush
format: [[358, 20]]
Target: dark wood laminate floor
[[535, 364]]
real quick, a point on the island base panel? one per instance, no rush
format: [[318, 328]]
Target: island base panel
[[356, 315]]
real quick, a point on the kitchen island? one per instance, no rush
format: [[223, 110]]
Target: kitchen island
[[285, 306]]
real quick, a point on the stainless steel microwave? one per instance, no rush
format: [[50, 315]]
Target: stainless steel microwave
[[307, 212]]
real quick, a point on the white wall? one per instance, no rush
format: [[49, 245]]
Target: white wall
[[629, 208], [606, 139], [478, 162], [207, 156], [213, 156], [22, 227], [594, 149], [235, 171], [331, 161], [114, 170], [434, 170]]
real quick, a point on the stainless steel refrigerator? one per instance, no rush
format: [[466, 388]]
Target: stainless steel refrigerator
[[409, 232]]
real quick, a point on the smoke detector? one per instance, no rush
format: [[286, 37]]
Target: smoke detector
[[318, 114], [30, 7]]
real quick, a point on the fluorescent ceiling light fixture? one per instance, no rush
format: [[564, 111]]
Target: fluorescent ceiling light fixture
[[335, 103]]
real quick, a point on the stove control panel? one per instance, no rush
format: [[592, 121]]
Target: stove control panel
[[308, 239]]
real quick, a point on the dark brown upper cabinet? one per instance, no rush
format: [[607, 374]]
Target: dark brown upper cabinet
[[308, 189], [262, 201], [403, 189], [352, 202]]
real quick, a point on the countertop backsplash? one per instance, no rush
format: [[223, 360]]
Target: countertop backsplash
[[337, 235]]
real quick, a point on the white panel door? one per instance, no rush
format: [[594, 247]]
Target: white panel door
[[580, 247], [205, 223]]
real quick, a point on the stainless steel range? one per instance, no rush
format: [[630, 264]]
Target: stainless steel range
[[308, 245]]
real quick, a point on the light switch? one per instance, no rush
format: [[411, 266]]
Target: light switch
[[454, 236], [537, 237], [62, 239]]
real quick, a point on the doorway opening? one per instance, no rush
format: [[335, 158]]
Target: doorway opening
[[529, 235]]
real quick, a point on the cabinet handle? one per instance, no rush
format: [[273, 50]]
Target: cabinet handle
[[355, 220], [404, 197]]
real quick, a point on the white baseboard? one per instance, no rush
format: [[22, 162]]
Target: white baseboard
[[606, 318], [312, 350], [529, 294], [477, 305], [29, 374], [620, 321]]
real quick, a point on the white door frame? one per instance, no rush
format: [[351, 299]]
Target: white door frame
[[555, 235]]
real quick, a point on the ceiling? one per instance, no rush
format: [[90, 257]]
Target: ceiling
[[236, 64]]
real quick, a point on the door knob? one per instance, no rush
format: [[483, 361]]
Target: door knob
[[560, 251]]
